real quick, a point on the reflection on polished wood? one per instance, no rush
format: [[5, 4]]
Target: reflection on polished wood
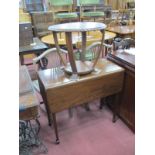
[[125, 56], [92, 36], [82, 67], [35, 46], [77, 27], [122, 30], [59, 92]]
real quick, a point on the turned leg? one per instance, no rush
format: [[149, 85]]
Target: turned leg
[[55, 128], [48, 114], [38, 124], [102, 102], [115, 109], [86, 106], [49, 119], [70, 112]]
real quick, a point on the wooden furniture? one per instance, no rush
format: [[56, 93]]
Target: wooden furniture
[[61, 15], [81, 66], [48, 59], [100, 8], [131, 4], [59, 92], [93, 36], [36, 47], [28, 113], [125, 43], [33, 5], [127, 98], [28, 103], [114, 14], [88, 14], [25, 34], [117, 4], [92, 51], [41, 20], [123, 31]]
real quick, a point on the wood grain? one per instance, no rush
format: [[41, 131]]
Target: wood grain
[[127, 98], [122, 29], [65, 93], [93, 36]]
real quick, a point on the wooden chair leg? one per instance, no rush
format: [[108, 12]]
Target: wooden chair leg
[[55, 128]]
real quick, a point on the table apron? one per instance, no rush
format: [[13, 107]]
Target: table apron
[[70, 95]]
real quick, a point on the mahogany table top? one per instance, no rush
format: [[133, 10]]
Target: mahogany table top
[[77, 27], [122, 30], [76, 37]]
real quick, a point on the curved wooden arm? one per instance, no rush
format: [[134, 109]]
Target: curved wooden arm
[[35, 60], [108, 46]]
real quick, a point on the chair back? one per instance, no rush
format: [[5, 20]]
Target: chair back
[[61, 2], [89, 2], [50, 58], [61, 5], [89, 9], [93, 51], [114, 23]]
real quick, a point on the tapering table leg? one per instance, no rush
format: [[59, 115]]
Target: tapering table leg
[[115, 110], [102, 102], [55, 128], [86, 106]]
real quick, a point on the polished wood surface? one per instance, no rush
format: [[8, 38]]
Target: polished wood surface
[[125, 57], [83, 28], [92, 36], [127, 98], [27, 99], [122, 30], [59, 92], [36, 47], [77, 27]]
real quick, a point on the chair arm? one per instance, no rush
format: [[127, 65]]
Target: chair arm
[[108, 45], [99, 43], [35, 60]]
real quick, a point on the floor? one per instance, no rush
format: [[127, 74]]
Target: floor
[[87, 133]]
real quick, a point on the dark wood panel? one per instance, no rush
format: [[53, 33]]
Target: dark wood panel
[[127, 99]]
